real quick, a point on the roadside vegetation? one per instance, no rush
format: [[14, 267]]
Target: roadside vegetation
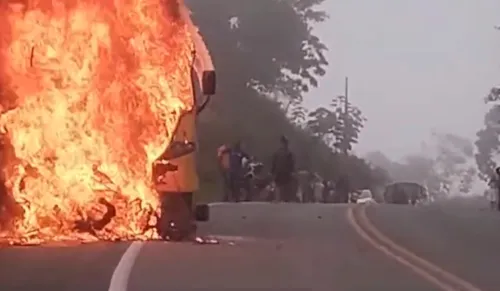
[[267, 57]]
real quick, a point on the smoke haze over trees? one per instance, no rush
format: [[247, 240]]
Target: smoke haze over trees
[[445, 166], [267, 57]]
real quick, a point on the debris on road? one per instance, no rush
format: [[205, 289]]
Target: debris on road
[[206, 241]]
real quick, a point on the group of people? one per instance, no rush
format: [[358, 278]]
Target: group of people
[[313, 188], [244, 179], [233, 161]]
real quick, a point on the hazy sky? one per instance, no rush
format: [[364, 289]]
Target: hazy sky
[[413, 66]]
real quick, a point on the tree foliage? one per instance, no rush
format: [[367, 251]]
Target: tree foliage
[[298, 115], [266, 57], [454, 162], [350, 121], [488, 142], [321, 123], [339, 125], [271, 47]]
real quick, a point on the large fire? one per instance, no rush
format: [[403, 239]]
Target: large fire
[[91, 91]]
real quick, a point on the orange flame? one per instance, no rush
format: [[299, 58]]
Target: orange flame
[[94, 90]]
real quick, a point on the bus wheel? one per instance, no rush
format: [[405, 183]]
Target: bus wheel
[[176, 222]]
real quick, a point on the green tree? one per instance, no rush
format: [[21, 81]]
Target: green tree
[[338, 126], [321, 123], [271, 47], [350, 121], [454, 162], [266, 57], [297, 113], [488, 143]]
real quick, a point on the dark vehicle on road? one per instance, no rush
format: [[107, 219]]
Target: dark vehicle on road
[[405, 193]]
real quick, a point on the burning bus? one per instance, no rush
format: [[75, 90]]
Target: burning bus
[[97, 119]]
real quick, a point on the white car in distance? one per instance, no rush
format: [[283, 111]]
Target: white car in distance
[[365, 196]]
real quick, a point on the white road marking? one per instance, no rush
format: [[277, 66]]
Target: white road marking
[[119, 280]]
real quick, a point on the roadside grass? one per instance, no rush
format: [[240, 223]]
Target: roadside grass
[[210, 191]]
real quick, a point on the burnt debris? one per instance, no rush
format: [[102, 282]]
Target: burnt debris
[[93, 225]]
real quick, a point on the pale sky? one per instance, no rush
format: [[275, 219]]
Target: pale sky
[[413, 66]]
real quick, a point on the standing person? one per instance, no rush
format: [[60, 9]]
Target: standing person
[[318, 188], [491, 193], [223, 153], [282, 169], [236, 170], [343, 188], [497, 186], [309, 191], [302, 182], [326, 191]]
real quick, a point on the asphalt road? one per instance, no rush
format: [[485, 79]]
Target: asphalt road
[[462, 236], [277, 247]]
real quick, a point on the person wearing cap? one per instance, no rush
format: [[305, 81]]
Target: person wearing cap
[[283, 169]]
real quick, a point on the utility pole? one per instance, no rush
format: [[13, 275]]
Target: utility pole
[[345, 145], [345, 134]]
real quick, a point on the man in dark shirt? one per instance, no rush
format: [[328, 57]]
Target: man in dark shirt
[[282, 169]]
